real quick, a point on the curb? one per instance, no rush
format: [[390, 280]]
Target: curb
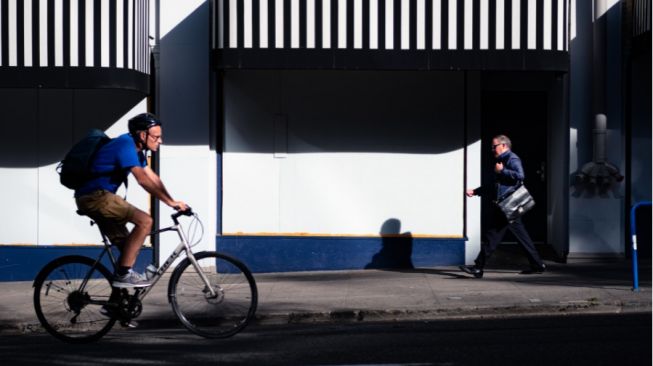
[[358, 316], [355, 316]]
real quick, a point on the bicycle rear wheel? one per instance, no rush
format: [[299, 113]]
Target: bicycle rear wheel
[[223, 314], [65, 309]]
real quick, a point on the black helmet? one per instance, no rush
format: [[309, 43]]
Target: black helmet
[[142, 122]]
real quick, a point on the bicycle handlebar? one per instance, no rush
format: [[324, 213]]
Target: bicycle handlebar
[[187, 212]]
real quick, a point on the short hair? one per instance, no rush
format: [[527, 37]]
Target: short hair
[[503, 139]]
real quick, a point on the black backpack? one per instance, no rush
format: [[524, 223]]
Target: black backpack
[[75, 169]]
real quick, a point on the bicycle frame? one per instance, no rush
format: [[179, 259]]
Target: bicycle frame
[[191, 301], [183, 246]]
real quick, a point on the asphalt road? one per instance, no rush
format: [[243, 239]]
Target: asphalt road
[[620, 339]]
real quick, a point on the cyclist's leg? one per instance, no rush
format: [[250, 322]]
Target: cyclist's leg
[[129, 244], [112, 212], [142, 227]]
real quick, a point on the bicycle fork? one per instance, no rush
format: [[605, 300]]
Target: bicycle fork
[[182, 247], [208, 289], [191, 257]]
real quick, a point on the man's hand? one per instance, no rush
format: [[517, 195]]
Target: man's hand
[[469, 193], [179, 205], [498, 167]]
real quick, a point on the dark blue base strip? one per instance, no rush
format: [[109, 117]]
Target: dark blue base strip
[[287, 254], [23, 263]]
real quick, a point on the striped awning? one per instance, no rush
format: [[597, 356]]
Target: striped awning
[[75, 44], [391, 34]]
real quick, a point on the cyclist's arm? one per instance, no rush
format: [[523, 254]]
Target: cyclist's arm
[[151, 182]]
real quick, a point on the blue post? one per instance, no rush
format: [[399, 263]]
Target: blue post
[[633, 236]]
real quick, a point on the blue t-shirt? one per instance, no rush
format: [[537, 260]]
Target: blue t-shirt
[[112, 164]]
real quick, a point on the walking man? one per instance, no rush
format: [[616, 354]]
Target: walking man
[[508, 175]]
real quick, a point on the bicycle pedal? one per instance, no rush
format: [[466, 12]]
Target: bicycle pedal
[[129, 324]]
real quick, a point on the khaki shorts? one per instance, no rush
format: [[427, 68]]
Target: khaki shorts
[[110, 211]]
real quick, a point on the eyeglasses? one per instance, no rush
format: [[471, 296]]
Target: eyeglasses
[[495, 146], [155, 137]]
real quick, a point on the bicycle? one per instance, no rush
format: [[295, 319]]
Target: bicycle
[[213, 295]]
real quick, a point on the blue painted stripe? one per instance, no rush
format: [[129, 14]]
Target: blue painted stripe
[[22, 263], [287, 254]]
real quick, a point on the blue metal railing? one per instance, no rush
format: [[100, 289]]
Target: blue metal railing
[[633, 236]]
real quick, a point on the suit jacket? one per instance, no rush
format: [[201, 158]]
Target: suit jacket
[[507, 180]]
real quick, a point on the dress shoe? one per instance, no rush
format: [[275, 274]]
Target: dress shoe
[[472, 270], [534, 269]]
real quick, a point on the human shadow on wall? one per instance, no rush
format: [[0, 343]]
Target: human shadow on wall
[[396, 248]]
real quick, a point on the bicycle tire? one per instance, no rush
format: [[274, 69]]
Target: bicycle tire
[[62, 309], [213, 317]]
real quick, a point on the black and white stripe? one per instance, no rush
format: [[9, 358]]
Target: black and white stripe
[[75, 33], [392, 24]]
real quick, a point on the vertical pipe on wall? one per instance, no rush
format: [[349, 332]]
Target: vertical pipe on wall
[[154, 106], [216, 109], [626, 85], [218, 120], [465, 148], [599, 57], [472, 161]]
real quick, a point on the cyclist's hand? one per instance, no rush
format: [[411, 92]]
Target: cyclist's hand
[[180, 206]]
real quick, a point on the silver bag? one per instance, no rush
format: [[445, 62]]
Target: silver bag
[[516, 204]]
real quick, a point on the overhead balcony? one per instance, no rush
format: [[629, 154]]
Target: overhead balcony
[[391, 34], [76, 44]]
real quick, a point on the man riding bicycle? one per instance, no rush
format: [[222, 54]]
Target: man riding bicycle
[[97, 197]]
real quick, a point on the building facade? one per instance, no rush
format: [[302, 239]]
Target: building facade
[[335, 134]]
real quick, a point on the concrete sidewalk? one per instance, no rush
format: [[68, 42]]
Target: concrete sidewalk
[[580, 286]]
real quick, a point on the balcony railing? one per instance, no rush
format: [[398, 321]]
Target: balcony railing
[[641, 17], [412, 34], [74, 43]]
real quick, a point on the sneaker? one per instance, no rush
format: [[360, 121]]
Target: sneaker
[[131, 279]]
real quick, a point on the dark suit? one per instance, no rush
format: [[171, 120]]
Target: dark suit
[[505, 182]]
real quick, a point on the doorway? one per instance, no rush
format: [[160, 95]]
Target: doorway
[[522, 116]]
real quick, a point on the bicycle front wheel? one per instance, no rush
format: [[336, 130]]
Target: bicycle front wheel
[[222, 312], [69, 307]]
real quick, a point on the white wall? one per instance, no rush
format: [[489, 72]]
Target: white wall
[[39, 126], [339, 153]]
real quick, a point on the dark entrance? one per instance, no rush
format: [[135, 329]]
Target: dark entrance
[[522, 116]]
